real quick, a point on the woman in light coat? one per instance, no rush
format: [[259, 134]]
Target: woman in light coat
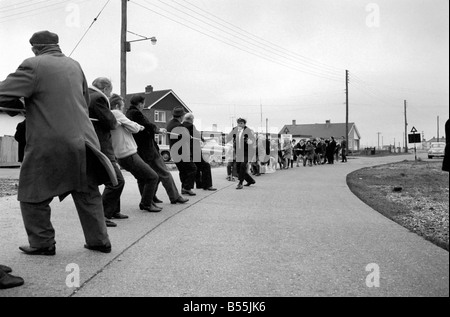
[[125, 149]]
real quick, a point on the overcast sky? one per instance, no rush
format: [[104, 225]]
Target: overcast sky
[[232, 58]]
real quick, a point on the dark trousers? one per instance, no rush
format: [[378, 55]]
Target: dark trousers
[[165, 177], [203, 177], [41, 234], [344, 156], [232, 169], [188, 172], [243, 175], [330, 158], [111, 194], [146, 177]]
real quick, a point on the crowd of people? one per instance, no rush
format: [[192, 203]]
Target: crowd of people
[[77, 137], [272, 153]]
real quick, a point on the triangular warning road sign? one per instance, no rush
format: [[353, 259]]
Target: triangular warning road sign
[[413, 130]]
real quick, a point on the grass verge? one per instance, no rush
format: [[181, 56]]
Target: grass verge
[[413, 194]]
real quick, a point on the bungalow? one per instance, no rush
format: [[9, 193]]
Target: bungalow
[[324, 130], [158, 108]]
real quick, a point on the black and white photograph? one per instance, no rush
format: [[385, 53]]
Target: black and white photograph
[[232, 156]]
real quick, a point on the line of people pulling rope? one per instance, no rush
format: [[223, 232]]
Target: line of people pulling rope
[[78, 138]]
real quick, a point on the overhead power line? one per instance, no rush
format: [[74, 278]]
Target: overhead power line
[[258, 42], [37, 11], [233, 43], [90, 26], [265, 41]]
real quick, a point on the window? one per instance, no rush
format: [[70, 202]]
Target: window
[[160, 116], [160, 139]]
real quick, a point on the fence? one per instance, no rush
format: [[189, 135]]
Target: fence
[[9, 151]]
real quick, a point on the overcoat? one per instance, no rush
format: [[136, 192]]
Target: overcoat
[[148, 149], [58, 129], [446, 162], [242, 149]]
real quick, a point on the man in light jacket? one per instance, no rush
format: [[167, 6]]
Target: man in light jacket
[[62, 155]]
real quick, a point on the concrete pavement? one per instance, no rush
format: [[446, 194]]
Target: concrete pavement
[[298, 232]]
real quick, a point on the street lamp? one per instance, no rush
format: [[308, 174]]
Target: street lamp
[[124, 49], [144, 38]]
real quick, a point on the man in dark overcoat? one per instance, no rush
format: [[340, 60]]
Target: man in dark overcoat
[[203, 177], [148, 149], [187, 169], [62, 155], [446, 162], [104, 122]]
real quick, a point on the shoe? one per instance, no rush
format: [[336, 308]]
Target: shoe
[[156, 206], [157, 201], [149, 208], [239, 186], [211, 189], [38, 251], [180, 200], [259, 174], [110, 224], [100, 248], [188, 192], [5, 268], [10, 281], [251, 183], [119, 216]]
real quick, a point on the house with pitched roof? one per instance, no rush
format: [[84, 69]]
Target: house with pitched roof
[[158, 108], [324, 130]]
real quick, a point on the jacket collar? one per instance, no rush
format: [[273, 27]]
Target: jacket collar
[[50, 50], [102, 94]]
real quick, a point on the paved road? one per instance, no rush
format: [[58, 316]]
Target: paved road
[[298, 232]]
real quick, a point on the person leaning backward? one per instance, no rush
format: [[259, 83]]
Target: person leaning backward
[[62, 156]]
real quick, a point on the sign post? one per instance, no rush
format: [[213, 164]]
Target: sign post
[[414, 138]]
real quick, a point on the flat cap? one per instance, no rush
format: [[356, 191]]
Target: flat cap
[[44, 38]]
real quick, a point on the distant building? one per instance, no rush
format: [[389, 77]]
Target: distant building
[[324, 130], [158, 108], [427, 144]]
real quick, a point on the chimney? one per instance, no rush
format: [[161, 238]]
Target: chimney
[[214, 127], [294, 122], [148, 89]]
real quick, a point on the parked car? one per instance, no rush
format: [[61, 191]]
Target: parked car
[[213, 152], [164, 150], [437, 149]]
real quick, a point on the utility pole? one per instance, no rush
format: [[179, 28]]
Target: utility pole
[[123, 50], [378, 139], [346, 111], [406, 130]]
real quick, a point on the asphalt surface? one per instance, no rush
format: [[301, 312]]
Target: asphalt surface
[[297, 232]]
